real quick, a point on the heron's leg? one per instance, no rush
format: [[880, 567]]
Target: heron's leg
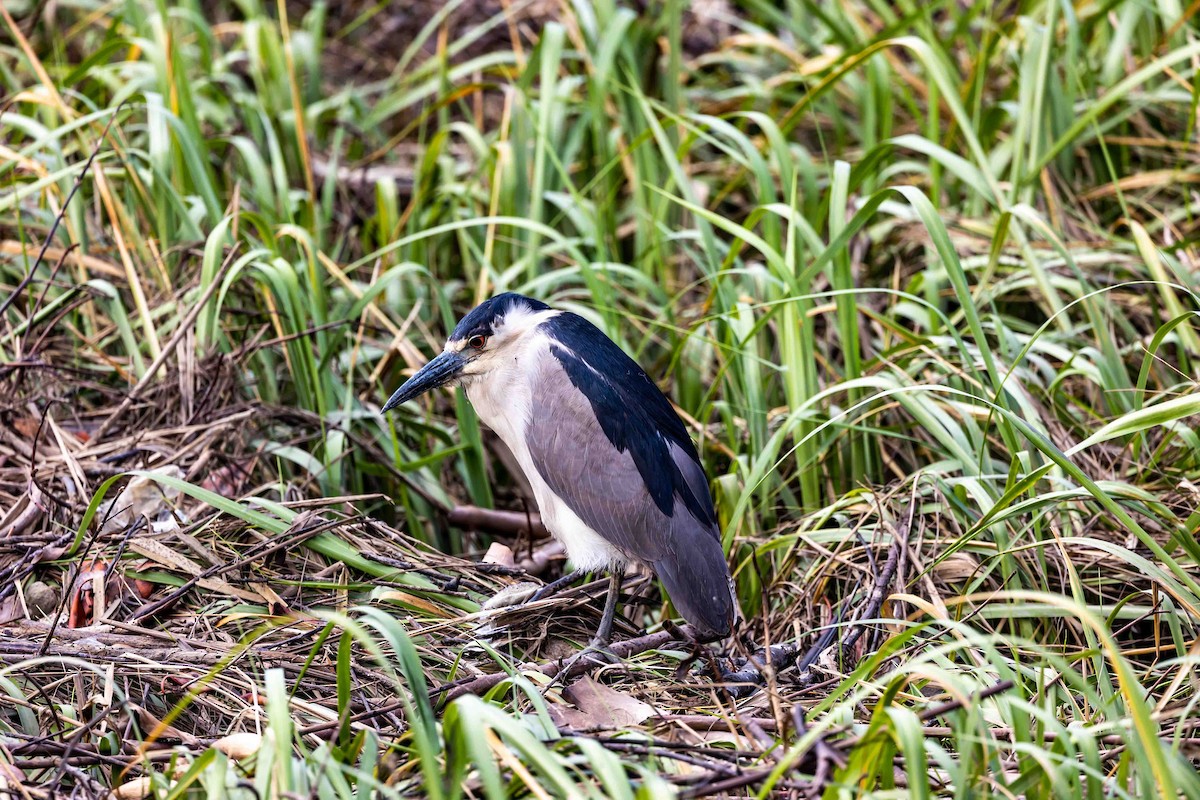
[[604, 632], [597, 650], [554, 586]]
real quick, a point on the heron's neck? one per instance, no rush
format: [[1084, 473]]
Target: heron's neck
[[502, 397]]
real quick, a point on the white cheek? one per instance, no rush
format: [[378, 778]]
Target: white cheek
[[478, 363]]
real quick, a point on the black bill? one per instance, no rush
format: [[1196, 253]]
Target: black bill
[[437, 372]]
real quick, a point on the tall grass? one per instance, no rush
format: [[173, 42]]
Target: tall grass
[[921, 271]]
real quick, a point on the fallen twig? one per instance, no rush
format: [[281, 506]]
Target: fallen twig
[[303, 528], [495, 521], [824, 753], [751, 673], [551, 669], [829, 758], [879, 590], [745, 680]]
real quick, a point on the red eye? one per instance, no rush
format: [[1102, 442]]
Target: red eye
[[477, 341]]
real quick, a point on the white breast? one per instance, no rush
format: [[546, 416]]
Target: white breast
[[503, 398]]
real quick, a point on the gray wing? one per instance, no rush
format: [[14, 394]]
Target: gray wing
[[600, 483], [603, 485]]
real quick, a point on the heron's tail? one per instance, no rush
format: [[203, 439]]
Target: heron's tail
[[697, 581]]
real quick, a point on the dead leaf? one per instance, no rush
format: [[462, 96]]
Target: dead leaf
[[142, 497], [149, 722], [511, 595], [141, 588], [83, 608], [26, 426], [10, 777], [599, 708], [135, 789], [12, 247], [239, 745], [161, 554], [26, 512], [404, 598], [89, 599], [957, 567], [276, 605], [499, 554], [226, 481], [10, 609]]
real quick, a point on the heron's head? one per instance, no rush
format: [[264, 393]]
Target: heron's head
[[479, 344]]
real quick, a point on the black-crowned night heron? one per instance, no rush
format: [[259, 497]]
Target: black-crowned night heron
[[615, 474]]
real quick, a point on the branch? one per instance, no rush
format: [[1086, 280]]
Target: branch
[[551, 669], [750, 675], [494, 521], [825, 755]]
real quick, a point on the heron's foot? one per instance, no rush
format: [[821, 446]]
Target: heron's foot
[[541, 593], [553, 588]]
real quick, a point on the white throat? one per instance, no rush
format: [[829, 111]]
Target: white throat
[[503, 388]]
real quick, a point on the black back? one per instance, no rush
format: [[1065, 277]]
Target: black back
[[632, 411]]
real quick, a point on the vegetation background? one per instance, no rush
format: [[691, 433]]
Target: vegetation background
[[921, 278]]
